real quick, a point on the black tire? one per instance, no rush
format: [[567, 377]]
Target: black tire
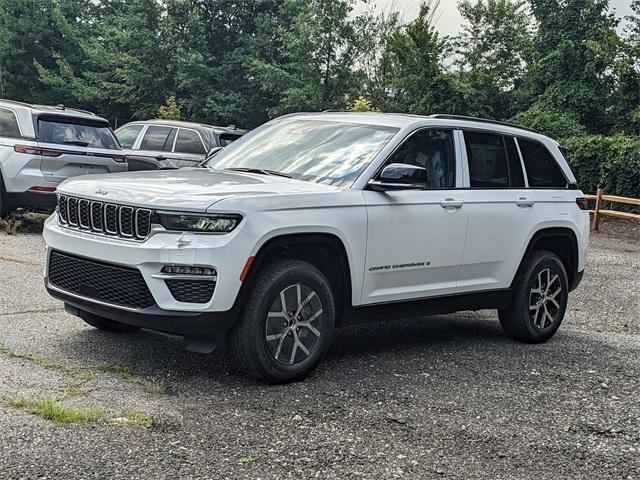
[[4, 207], [257, 333], [534, 317], [106, 324]]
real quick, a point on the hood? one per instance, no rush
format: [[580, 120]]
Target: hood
[[189, 189]]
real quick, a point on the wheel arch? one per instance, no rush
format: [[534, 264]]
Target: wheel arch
[[562, 241], [326, 251]]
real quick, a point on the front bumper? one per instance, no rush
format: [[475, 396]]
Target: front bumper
[[227, 254], [186, 324]]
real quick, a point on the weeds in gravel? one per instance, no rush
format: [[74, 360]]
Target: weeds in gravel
[[248, 460], [50, 409], [10, 225], [129, 416]]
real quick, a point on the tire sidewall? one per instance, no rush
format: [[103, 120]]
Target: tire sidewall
[[552, 262], [304, 274]]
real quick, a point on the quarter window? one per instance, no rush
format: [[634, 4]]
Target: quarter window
[[9, 124], [158, 139], [487, 158], [127, 136], [516, 177], [189, 142], [542, 169], [434, 151]]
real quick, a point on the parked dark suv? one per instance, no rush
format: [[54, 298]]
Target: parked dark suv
[[158, 144]]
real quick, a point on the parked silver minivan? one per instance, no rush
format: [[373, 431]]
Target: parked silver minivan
[[40, 146]]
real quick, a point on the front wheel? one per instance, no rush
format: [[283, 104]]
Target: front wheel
[[539, 301], [287, 325]]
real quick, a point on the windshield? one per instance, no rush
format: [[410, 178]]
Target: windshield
[[328, 152]]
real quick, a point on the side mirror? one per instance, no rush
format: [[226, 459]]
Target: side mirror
[[400, 176], [213, 151]]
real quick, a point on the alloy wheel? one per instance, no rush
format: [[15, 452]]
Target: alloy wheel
[[294, 324], [545, 299]]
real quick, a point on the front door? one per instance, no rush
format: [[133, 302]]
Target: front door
[[416, 238]]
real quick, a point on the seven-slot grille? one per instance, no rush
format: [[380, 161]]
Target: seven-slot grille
[[105, 218], [112, 284]]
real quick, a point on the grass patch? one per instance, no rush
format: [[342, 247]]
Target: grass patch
[[123, 372], [130, 416], [51, 409]]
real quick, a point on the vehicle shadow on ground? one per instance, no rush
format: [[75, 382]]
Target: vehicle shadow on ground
[[156, 355]]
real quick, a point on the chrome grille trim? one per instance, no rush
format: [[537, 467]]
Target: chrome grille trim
[[126, 221]]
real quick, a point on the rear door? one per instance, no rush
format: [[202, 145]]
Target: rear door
[[74, 146], [502, 211], [189, 149], [154, 149]]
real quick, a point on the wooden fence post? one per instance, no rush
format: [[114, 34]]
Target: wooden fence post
[[596, 212]]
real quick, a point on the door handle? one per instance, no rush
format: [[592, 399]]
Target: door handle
[[524, 202], [451, 203], [160, 158]]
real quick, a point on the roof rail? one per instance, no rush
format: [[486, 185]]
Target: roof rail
[[482, 120], [15, 102]]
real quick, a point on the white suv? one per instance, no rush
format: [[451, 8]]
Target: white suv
[[42, 146], [314, 220]]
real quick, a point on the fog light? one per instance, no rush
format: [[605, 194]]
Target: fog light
[[186, 270]]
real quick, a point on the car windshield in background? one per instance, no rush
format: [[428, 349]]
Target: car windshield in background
[[82, 135], [328, 152]]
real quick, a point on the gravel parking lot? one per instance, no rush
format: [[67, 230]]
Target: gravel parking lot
[[437, 397]]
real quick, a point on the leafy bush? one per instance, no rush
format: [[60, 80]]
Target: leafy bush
[[611, 163], [551, 122]]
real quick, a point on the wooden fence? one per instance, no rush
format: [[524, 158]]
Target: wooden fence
[[599, 197]]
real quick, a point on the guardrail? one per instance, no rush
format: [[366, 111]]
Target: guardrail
[[599, 197]]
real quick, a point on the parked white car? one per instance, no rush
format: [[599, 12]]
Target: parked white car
[[42, 146], [313, 220]]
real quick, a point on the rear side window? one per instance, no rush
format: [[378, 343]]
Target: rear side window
[[127, 136], [188, 141], [542, 169], [158, 138], [9, 124], [67, 132], [487, 158], [227, 138]]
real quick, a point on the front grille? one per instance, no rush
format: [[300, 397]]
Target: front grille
[[105, 218], [191, 291], [95, 280]]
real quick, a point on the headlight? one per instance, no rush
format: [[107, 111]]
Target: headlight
[[199, 223]]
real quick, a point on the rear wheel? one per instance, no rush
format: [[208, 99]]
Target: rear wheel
[[539, 301], [106, 324], [287, 325]]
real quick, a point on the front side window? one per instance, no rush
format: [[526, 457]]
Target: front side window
[[432, 150], [9, 124], [158, 139], [487, 159], [542, 169], [66, 131], [127, 136], [188, 141], [320, 151]]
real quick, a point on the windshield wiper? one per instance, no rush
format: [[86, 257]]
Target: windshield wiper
[[76, 142], [261, 171]]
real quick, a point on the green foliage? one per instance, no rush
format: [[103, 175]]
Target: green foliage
[[170, 110], [362, 104], [608, 162], [551, 122]]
